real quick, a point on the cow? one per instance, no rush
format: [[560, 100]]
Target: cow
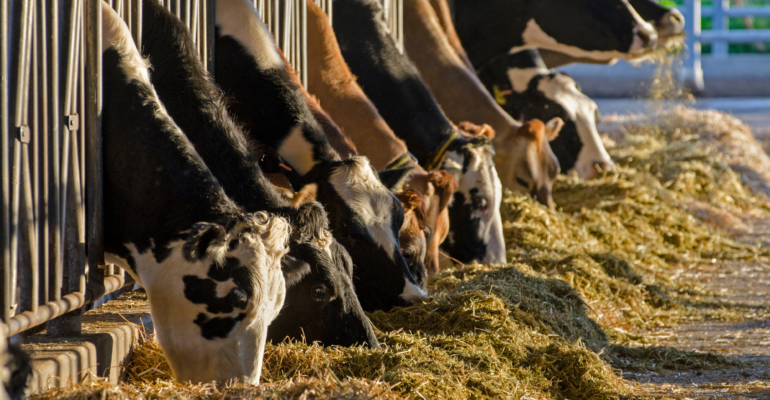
[[212, 272], [365, 217], [463, 96], [527, 89], [394, 86], [669, 25], [322, 265], [332, 83], [593, 29]]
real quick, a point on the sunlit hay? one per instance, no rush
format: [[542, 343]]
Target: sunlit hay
[[665, 84], [710, 150], [325, 387]]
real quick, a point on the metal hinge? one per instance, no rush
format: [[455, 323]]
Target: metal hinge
[[73, 122], [24, 134]]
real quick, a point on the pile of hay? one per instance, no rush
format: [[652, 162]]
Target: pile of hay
[[550, 324]]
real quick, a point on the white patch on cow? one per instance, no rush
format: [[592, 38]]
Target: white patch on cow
[[297, 151], [412, 293], [370, 201], [115, 34], [496, 247], [263, 240], [481, 175], [581, 109], [239, 19], [534, 37], [520, 77], [642, 26]]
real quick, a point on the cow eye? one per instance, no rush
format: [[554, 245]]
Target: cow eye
[[408, 253], [522, 182], [320, 293]]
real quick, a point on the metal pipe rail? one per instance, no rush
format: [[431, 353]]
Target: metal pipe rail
[[719, 36], [393, 11], [51, 222]]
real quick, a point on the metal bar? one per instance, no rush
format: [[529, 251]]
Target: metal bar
[[67, 303], [719, 23], [93, 134], [210, 39], [32, 299], [41, 153], [735, 36], [693, 71], [303, 46], [756, 11], [136, 16], [5, 242], [54, 209]]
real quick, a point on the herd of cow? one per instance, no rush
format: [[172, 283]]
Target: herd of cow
[[252, 208]]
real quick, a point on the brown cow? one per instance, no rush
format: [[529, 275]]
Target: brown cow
[[335, 86], [454, 84]]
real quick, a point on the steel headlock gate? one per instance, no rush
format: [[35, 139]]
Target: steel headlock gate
[[51, 225]]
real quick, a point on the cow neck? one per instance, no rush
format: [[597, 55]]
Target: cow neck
[[335, 86], [389, 79], [485, 39], [196, 104], [264, 98], [466, 98], [152, 172]]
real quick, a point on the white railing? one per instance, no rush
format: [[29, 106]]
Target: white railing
[[720, 35]]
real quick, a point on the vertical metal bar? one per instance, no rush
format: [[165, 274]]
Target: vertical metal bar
[[136, 17], [286, 36], [194, 30], [54, 209], [93, 134], [210, 35], [187, 14], [694, 69], [304, 42], [42, 154], [5, 243], [82, 96], [179, 9], [719, 23]]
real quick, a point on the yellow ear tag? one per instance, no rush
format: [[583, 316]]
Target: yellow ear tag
[[499, 96]]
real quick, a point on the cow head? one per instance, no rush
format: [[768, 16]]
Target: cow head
[[597, 29], [437, 189], [556, 95], [668, 23], [532, 167], [321, 304], [412, 235], [213, 295], [475, 230], [366, 220]]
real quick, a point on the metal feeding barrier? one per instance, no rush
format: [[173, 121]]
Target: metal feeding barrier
[[720, 35], [51, 226], [393, 11]]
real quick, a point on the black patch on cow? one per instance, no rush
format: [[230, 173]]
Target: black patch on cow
[[566, 147], [203, 240], [395, 179], [204, 291], [217, 327], [467, 243]]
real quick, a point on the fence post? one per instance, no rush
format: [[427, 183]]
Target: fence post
[[693, 71], [720, 23], [5, 233]]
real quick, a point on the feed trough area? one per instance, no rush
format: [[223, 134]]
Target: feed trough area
[[384, 199], [573, 314]]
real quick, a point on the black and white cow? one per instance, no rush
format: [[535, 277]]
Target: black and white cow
[[668, 23], [592, 29], [365, 216], [393, 84], [321, 304], [527, 89], [212, 272]]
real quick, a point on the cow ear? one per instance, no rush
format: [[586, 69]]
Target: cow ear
[[552, 128], [395, 179], [306, 194], [293, 270], [206, 240]]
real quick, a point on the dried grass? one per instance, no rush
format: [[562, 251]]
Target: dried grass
[[550, 324]]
